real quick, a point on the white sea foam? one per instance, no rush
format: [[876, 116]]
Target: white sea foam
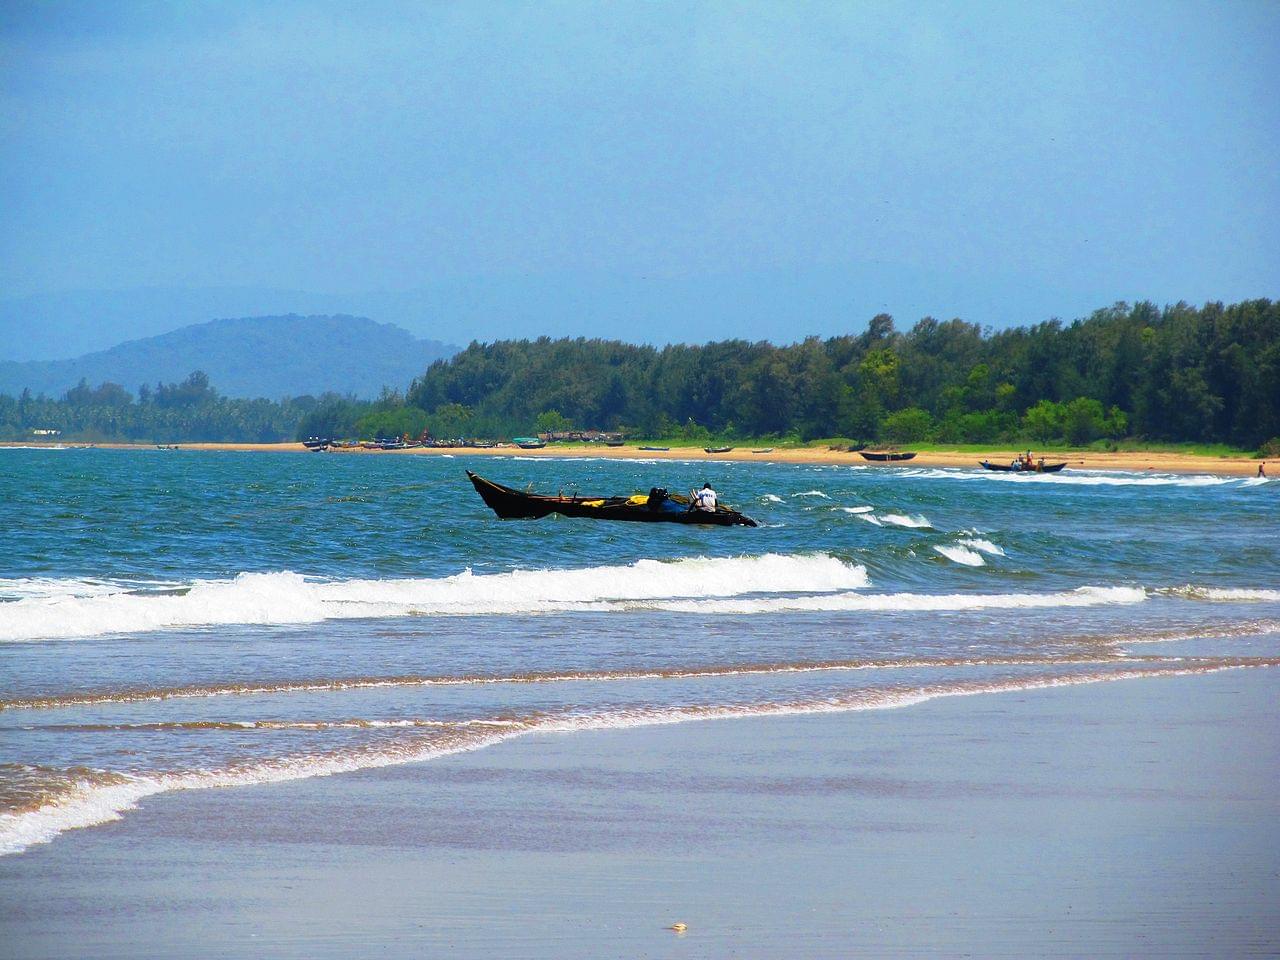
[[90, 804], [961, 555], [856, 510], [918, 522], [812, 493], [908, 602], [772, 498], [1223, 593], [1089, 478], [983, 546], [284, 597]]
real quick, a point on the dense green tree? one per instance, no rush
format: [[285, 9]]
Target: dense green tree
[[1177, 373]]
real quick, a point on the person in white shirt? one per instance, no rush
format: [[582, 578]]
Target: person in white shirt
[[705, 499]]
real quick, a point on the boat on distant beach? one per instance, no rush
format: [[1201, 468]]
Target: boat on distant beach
[[655, 449], [717, 449], [529, 443], [883, 455], [316, 443], [657, 506], [763, 450], [1019, 466]]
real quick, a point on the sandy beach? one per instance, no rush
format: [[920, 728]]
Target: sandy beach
[[1124, 819], [1138, 462]]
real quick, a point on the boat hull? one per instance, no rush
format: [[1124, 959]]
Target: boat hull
[[882, 457], [1005, 468], [511, 504]]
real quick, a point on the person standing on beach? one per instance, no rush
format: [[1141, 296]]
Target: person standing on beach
[[1262, 469]]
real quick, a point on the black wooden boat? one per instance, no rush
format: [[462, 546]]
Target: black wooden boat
[[1034, 468], [882, 455], [316, 443], [656, 507]]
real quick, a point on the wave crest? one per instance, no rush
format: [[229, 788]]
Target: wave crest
[[285, 597]]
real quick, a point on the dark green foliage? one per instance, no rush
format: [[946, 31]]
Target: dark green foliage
[[190, 410], [1177, 374]]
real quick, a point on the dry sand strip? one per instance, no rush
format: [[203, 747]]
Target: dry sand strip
[[1136, 462]]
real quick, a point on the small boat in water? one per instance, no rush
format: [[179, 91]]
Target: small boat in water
[[716, 449], [883, 455], [657, 506], [1019, 466]]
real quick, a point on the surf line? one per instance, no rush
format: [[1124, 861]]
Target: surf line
[[88, 805]]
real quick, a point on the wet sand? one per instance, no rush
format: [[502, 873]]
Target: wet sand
[[1138, 462], [1123, 819]]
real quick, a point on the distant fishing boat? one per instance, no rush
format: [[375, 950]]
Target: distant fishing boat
[[614, 443], [717, 449], [529, 443], [654, 507], [882, 455], [1040, 467], [316, 443], [655, 449], [763, 450]]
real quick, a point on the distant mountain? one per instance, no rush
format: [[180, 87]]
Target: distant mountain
[[248, 357]]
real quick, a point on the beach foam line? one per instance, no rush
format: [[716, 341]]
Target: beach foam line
[[143, 695], [284, 597], [105, 796]]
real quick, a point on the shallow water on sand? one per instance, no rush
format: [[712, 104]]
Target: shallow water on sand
[[173, 620]]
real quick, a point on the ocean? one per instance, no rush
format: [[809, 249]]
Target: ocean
[[177, 621]]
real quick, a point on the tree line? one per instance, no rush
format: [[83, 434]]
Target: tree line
[[190, 410], [1179, 373]]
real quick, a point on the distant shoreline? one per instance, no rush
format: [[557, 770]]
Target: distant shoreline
[[1128, 461]]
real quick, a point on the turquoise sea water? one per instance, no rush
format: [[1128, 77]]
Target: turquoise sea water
[[182, 620]]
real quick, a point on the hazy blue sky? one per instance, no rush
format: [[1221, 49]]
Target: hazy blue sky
[[646, 170]]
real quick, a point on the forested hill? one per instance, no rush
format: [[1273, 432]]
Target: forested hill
[[249, 357], [1180, 373]]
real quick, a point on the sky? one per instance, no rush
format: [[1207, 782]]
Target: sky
[[649, 171]]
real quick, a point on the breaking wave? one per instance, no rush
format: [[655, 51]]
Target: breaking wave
[[1236, 594], [906, 602], [82, 609], [1090, 478], [917, 522], [961, 555]]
